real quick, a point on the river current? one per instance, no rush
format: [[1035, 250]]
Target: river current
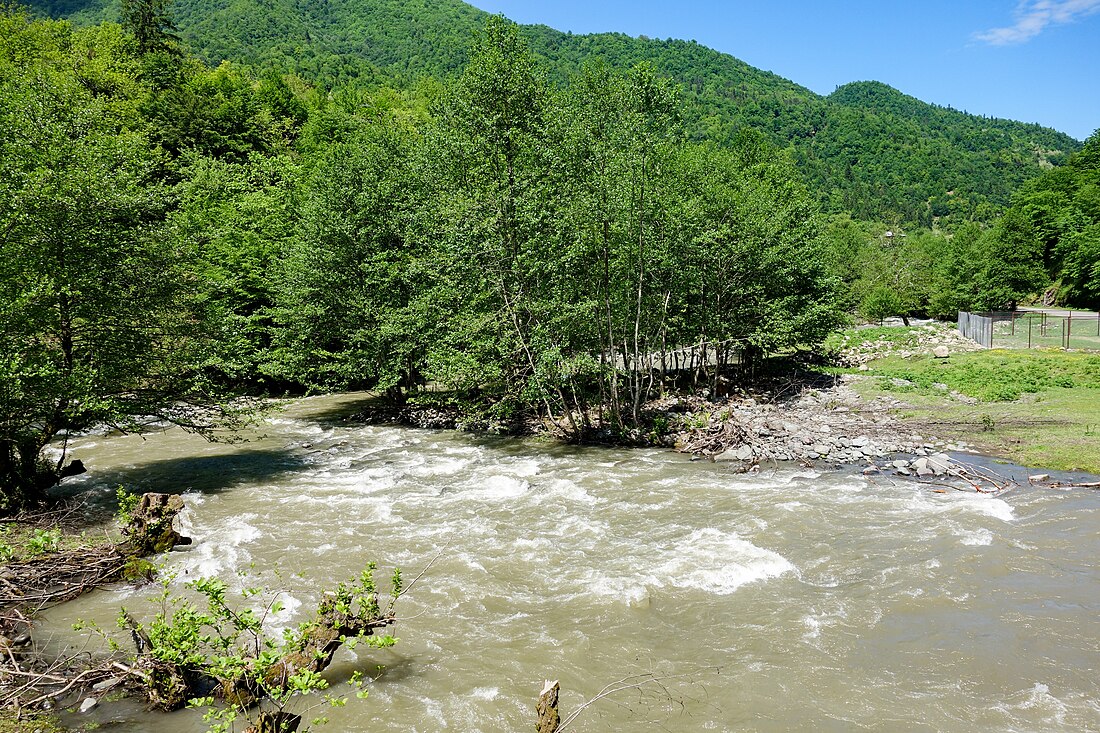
[[787, 600]]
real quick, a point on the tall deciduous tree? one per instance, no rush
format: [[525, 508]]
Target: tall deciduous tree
[[95, 326]]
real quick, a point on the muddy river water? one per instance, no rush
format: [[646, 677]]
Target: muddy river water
[[787, 600]]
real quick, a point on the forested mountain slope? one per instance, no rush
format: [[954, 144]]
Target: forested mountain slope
[[867, 149]]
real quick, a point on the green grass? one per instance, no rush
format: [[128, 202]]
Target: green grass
[[1037, 408], [995, 375], [29, 723], [19, 541], [856, 337]]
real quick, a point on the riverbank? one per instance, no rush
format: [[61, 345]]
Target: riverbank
[[894, 396], [1049, 426]]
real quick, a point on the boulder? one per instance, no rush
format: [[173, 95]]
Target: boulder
[[740, 453], [941, 352]]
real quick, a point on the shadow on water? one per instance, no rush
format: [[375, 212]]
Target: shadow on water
[[205, 474], [343, 412]]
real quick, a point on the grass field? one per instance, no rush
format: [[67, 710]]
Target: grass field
[[1040, 408], [1034, 330]]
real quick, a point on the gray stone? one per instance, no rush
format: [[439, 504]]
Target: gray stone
[[740, 453], [821, 449], [1039, 478], [860, 441], [88, 704], [940, 463], [941, 352], [900, 464], [905, 472]]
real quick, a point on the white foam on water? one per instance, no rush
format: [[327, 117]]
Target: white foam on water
[[823, 619], [496, 488], [628, 591], [990, 507], [720, 563], [223, 552], [486, 693], [813, 626], [1038, 699], [524, 468], [978, 538], [440, 466], [556, 490]]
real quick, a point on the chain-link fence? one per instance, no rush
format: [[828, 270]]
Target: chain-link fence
[[1032, 329]]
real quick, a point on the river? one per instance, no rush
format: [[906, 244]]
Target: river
[[787, 600]]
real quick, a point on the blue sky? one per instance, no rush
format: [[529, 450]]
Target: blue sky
[[1029, 60]]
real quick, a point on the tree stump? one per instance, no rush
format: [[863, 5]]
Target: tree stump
[[150, 528], [547, 708]]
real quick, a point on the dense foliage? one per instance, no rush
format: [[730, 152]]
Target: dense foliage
[[1058, 216], [1045, 248], [174, 232], [867, 149], [550, 233], [97, 319]]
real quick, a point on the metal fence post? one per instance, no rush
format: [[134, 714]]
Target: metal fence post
[[1030, 321]]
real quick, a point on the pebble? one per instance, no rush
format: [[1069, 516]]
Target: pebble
[[88, 704]]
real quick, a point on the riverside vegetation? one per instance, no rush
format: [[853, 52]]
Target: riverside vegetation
[[540, 243], [178, 235]]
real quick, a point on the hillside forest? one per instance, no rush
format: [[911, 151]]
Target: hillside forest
[[538, 238]]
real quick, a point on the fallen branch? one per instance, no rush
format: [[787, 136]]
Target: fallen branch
[[28, 586]]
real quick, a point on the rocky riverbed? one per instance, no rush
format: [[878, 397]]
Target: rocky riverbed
[[828, 425], [813, 422]]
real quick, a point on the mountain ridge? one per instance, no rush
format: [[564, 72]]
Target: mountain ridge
[[867, 148]]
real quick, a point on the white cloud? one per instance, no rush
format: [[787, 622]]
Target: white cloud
[[1033, 16]]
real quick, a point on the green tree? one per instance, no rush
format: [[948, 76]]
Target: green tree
[[152, 26], [95, 321], [353, 302], [1011, 257], [489, 142]]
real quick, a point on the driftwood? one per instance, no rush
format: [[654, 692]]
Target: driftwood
[[719, 437], [275, 722], [30, 681], [344, 614], [57, 577]]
